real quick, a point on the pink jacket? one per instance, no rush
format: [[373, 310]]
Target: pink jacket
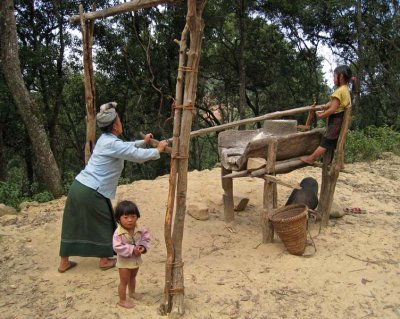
[[124, 243]]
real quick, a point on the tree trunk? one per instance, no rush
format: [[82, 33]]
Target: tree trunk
[[29, 166], [59, 12], [3, 167], [12, 73], [360, 54]]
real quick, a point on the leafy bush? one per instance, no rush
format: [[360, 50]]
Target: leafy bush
[[368, 144], [10, 194], [124, 181], [43, 197], [67, 179]]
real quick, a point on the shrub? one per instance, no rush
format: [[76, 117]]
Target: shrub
[[368, 144], [43, 197], [10, 194]]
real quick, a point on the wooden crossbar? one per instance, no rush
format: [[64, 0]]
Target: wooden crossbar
[[133, 5]]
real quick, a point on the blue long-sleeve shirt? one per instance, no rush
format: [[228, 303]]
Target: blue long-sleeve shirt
[[107, 161]]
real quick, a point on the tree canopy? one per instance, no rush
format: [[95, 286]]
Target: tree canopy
[[257, 57]]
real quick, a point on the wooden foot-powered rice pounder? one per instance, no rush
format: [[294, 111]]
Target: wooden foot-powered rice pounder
[[275, 149]]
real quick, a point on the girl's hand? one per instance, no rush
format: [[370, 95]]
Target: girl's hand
[[320, 114], [142, 249], [147, 138], [136, 251]]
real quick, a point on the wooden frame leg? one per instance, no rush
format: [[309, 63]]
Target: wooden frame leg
[[227, 186], [328, 185], [269, 196], [268, 205]]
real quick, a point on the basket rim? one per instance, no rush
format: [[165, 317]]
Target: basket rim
[[282, 209]]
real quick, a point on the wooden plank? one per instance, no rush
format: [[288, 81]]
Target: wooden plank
[[280, 182], [255, 163], [283, 167], [289, 146], [274, 115], [237, 174], [133, 5], [154, 143]]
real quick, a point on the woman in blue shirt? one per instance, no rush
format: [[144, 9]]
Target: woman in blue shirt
[[88, 221]]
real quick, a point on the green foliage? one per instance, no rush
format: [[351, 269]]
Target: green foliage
[[10, 194], [124, 181], [43, 197], [68, 178], [136, 64], [368, 144]]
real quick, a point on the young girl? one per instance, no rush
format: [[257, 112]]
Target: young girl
[[334, 111], [130, 241]]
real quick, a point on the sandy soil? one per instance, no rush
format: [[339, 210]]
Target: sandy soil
[[354, 274]]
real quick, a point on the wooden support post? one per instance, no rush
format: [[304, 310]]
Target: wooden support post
[[87, 27], [270, 194], [325, 201], [227, 186], [180, 154], [330, 173], [167, 305]]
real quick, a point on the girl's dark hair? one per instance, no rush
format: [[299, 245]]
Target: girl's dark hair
[[126, 207], [345, 71]]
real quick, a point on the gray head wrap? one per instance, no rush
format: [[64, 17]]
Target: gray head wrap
[[107, 114]]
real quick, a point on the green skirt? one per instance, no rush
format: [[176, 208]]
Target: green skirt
[[88, 223]]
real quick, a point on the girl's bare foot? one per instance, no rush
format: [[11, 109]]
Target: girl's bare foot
[[135, 295], [307, 159], [125, 304]]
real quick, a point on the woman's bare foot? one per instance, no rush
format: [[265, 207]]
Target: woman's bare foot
[[64, 263], [125, 304], [107, 263], [135, 295], [307, 159]]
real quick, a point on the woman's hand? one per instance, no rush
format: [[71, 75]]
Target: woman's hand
[[161, 146], [147, 138]]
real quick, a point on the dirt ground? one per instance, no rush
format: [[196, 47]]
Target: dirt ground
[[354, 273]]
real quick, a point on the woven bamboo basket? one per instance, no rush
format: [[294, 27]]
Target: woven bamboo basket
[[290, 223]]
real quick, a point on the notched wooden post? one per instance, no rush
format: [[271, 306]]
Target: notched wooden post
[[270, 194], [331, 169]]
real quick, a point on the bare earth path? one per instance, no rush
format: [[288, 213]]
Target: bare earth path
[[355, 272]]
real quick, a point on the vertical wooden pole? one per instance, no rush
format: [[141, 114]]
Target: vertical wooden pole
[[195, 25], [227, 186], [87, 39], [325, 201], [269, 196], [330, 171], [166, 307]]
